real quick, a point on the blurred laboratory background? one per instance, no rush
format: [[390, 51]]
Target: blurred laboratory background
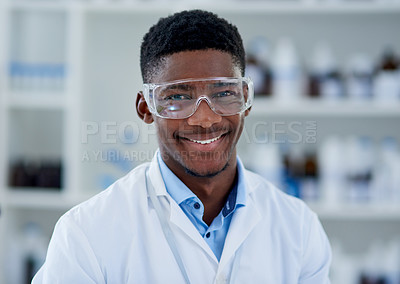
[[325, 125]]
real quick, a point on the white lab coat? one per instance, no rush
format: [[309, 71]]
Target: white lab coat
[[116, 237]]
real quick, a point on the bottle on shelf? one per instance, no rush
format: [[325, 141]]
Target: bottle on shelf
[[343, 170], [386, 179], [35, 250], [257, 66], [345, 267], [332, 173], [359, 153], [294, 162], [379, 264], [36, 77], [387, 82], [37, 51], [325, 80], [36, 174], [300, 172], [26, 253], [359, 78], [287, 81], [270, 168], [309, 183]]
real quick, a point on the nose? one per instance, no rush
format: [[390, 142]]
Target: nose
[[204, 116]]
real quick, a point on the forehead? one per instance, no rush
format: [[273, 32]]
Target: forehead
[[195, 84], [196, 64]]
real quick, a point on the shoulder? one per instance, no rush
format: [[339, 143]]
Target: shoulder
[[288, 217], [118, 199], [293, 230], [114, 216], [274, 202]]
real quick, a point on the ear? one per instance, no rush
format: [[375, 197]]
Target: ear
[[247, 111], [246, 90], [142, 109]]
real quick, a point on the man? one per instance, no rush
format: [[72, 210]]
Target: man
[[194, 214]]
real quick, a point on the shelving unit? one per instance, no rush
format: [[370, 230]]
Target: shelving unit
[[38, 199], [41, 117], [3, 215], [355, 212], [41, 102], [99, 45]]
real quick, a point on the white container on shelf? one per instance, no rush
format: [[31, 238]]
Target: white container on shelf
[[332, 172], [27, 253], [325, 71], [387, 79], [266, 161], [386, 179], [358, 162], [257, 65], [359, 77], [287, 81], [345, 268], [386, 87]]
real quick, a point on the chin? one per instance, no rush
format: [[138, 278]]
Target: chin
[[207, 172]]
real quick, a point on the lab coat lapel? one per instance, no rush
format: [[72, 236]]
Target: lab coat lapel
[[182, 222], [156, 178], [176, 216], [243, 222]]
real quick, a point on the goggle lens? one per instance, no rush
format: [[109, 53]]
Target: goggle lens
[[180, 99]]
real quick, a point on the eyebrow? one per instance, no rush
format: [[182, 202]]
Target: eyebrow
[[190, 87], [223, 84], [185, 87]]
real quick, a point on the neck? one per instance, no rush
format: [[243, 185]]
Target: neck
[[212, 191]]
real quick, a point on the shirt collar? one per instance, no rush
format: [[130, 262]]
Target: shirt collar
[[180, 192], [175, 187]]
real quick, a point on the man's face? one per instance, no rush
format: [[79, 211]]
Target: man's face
[[203, 144]]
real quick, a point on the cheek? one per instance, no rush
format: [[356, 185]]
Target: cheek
[[238, 123], [166, 129], [160, 128]]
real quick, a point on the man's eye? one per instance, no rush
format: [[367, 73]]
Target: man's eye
[[178, 97], [224, 94]]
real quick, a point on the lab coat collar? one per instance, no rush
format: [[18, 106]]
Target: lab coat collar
[[156, 177]]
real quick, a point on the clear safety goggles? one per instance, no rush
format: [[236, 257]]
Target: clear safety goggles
[[180, 99]]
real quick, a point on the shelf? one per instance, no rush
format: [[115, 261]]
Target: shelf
[[39, 5], [245, 7], [39, 198], [48, 101], [36, 198], [266, 107], [362, 212], [225, 6]]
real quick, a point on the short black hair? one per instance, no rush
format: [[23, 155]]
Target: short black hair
[[189, 31]]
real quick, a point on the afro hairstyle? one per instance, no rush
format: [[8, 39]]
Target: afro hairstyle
[[189, 31]]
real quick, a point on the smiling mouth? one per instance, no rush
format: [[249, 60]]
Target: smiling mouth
[[204, 142]]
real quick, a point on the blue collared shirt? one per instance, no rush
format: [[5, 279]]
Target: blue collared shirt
[[215, 234]]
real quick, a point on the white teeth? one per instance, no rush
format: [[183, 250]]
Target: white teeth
[[203, 142]]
